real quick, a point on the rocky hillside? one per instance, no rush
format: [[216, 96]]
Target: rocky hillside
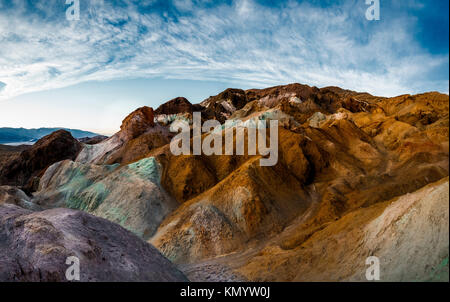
[[357, 176]]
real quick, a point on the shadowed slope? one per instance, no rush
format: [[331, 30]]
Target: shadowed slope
[[50, 149], [35, 246]]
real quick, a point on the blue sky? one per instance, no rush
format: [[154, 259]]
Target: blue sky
[[91, 73]]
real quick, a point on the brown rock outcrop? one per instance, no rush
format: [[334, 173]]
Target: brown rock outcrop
[[31, 163], [137, 123], [175, 106], [7, 153]]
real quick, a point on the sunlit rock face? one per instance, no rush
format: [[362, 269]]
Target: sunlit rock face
[[98, 153], [408, 234], [137, 123], [134, 125]]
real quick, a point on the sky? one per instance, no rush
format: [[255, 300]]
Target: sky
[[122, 54]]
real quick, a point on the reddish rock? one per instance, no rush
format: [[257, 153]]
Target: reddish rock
[[137, 123]]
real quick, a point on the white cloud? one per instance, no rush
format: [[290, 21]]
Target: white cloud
[[183, 5], [240, 43]]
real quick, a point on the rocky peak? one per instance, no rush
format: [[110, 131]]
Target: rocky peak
[[137, 123], [223, 105], [175, 106]]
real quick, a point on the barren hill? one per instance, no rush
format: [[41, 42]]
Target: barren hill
[[357, 176]]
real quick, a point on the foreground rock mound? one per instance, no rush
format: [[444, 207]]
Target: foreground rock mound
[[25, 169], [34, 246]]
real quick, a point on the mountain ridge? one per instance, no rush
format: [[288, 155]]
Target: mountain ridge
[[347, 160]]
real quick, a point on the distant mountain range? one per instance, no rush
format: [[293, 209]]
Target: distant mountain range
[[22, 135]]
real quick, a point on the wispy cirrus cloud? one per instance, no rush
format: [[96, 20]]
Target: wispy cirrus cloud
[[246, 42]]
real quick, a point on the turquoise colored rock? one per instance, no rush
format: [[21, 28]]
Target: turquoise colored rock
[[130, 195]]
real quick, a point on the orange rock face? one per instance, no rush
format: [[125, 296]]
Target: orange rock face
[[334, 175]]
